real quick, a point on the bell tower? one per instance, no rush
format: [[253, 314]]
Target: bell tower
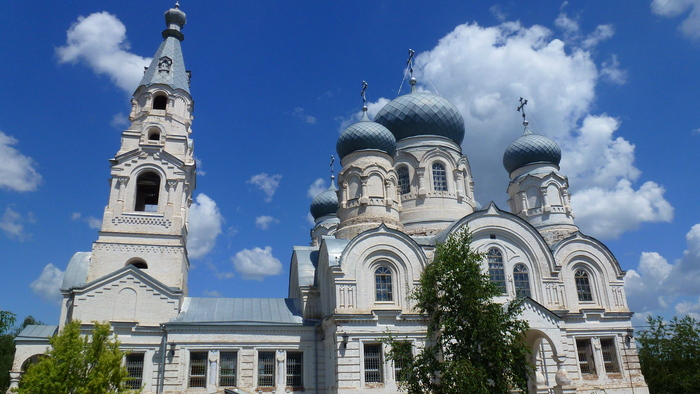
[[153, 173]]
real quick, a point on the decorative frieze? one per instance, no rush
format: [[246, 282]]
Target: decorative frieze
[[142, 220]]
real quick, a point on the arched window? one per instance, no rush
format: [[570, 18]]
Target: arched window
[[147, 191], [496, 272], [138, 263], [439, 177], [583, 286], [521, 279], [160, 102], [404, 180], [382, 280], [154, 134]]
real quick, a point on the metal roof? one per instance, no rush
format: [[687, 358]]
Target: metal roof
[[239, 311], [36, 332], [307, 261], [365, 134], [76, 273], [175, 74]]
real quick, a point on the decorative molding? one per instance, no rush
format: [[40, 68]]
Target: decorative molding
[[141, 220]]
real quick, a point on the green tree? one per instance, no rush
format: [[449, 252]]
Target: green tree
[[7, 348], [473, 344], [670, 355], [78, 364]]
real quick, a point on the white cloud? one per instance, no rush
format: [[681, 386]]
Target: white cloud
[[316, 188], [372, 109], [268, 184], [99, 41], [12, 224], [119, 120], [611, 72], [264, 222], [690, 26], [310, 219], [607, 213], [92, 222], [200, 167], [16, 170], [301, 114], [256, 263], [48, 284], [658, 285], [204, 226], [212, 293]]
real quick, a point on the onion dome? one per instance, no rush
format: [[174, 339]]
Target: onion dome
[[175, 20], [530, 149], [422, 113], [365, 134], [325, 203]]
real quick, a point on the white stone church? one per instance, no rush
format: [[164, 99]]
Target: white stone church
[[404, 186]]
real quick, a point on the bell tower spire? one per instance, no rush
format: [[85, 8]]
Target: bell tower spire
[[145, 223]]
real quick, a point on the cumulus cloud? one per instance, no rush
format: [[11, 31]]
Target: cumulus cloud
[[690, 27], [92, 222], [656, 285], [17, 171], [316, 188], [264, 222], [301, 114], [256, 263], [48, 284], [204, 226], [485, 70], [119, 121], [12, 224], [268, 184], [99, 41]]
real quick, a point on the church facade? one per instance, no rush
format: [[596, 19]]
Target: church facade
[[404, 186]]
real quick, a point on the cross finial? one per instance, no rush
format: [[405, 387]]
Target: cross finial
[[332, 161], [409, 62], [177, 5], [362, 93], [521, 108]]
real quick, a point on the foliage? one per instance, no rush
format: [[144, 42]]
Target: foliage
[[7, 348], [670, 355], [474, 344], [78, 364]]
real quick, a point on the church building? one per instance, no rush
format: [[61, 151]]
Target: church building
[[404, 186]]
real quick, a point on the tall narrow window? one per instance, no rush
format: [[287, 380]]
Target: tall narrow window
[[403, 348], [583, 286], [382, 279], [496, 271], [160, 102], [607, 346], [521, 279], [373, 363], [266, 369], [585, 356], [295, 369], [198, 369], [439, 177], [147, 192], [404, 180], [134, 369], [227, 369]]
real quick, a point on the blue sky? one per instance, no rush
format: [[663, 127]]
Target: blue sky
[[614, 83]]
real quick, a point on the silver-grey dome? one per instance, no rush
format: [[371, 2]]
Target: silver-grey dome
[[365, 134], [529, 149], [325, 203], [422, 113]]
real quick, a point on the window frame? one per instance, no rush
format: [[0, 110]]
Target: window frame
[[404, 179], [134, 370], [292, 375], [518, 280], [586, 366], [439, 174], [261, 368], [372, 374], [233, 375], [196, 377], [496, 268], [585, 289], [383, 290], [608, 349]]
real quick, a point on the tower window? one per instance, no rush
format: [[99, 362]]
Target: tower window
[[147, 191], [382, 278], [404, 180], [521, 279], [583, 286], [138, 263], [160, 102], [154, 134], [496, 271], [439, 177]]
